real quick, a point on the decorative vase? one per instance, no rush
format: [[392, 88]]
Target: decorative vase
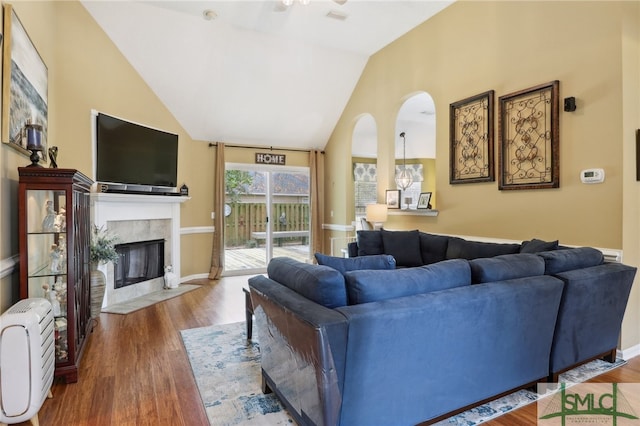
[[98, 283]]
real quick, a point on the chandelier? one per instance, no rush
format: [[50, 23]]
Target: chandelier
[[404, 178]]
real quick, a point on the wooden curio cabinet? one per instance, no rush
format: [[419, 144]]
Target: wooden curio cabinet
[[54, 231]]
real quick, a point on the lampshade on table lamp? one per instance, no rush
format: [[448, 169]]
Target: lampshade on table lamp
[[376, 214]]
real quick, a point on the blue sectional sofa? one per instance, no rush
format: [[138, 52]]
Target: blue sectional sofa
[[373, 340]]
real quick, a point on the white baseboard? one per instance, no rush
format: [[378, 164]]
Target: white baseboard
[[194, 277], [629, 353]]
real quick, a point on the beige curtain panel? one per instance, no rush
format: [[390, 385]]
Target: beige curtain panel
[[217, 251]]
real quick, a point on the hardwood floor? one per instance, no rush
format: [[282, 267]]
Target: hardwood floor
[[135, 371]]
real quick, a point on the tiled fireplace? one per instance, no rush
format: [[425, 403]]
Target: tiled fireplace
[[138, 218]]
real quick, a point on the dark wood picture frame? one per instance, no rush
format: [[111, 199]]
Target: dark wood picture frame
[[392, 198], [424, 201], [24, 85], [471, 139], [529, 149]]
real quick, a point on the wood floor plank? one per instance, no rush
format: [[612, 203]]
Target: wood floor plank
[[135, 370]]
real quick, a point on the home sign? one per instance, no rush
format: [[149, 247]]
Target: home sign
[[278, 159]]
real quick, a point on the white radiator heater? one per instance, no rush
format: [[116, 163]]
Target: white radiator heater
[[27, 360]]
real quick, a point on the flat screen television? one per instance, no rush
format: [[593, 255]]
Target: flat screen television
[[134, 156]]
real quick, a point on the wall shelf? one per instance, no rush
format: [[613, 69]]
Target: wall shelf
[[412, 212]]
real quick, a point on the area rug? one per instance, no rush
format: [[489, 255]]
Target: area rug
[[226, 368], [148, 299]]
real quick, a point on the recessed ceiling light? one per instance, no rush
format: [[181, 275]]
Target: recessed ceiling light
[[209, 14]]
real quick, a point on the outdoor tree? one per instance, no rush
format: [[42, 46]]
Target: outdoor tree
[[237, 183]]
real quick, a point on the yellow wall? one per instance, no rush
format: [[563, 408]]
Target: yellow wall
[[591, 47], [472, 47]]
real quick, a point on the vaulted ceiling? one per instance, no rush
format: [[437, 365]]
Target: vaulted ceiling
[[256, 72]]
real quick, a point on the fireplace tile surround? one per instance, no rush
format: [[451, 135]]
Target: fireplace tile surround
[[134, 218]]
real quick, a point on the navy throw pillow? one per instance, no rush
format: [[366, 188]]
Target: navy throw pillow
[[459, 248], [369, 243], [342, 264], [404, 246], [536, 246], [433, 248]]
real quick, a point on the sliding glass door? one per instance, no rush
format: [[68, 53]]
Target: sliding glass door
[[266, 215]]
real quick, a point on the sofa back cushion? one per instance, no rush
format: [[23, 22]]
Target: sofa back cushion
[[459, 248], [404, 246], [321, 284], [506, 267], [433, 248], [369, 243], [342, 264], [557, 261], [371, 286]]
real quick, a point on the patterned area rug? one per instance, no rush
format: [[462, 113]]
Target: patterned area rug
[[148, 299], [227, 371]]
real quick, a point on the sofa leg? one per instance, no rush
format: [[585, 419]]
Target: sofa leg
[[611, 356], [265, 387]]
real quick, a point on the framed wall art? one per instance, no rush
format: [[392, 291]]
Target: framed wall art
[[471, 136], [24, 85], [529, 137], [393, 198]]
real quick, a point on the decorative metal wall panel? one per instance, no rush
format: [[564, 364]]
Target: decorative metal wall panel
[[529, 135], [471, 133]]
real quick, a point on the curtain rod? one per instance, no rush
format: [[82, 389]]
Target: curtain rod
[[211, 144]]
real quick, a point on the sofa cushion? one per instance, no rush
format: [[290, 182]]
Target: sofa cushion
[[433, 248], [536, 246], [371, 286], [322, 284], [404, 246], [459, 248], [342, 264], [369, 243], [506, 267], [557, 261]]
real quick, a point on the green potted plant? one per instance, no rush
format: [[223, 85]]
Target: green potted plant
[[102, 251]]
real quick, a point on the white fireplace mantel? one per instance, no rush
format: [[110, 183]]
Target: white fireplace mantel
[[109, 207]]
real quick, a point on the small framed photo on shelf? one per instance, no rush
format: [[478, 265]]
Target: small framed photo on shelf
[[393, 198], [424, 202]]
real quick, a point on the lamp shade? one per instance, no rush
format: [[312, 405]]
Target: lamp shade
[[376, 213]]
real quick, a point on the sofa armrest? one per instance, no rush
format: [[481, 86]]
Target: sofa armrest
[[302, 347], [352, 249], [591, 312]]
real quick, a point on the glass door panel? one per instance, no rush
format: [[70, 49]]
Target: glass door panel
[[266, 215]]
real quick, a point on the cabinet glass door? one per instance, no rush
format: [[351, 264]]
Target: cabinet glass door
[[47, 257]]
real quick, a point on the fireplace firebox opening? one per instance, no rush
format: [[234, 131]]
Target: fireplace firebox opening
[[138, 261]]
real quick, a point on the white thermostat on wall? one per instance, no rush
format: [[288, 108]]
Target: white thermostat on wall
[[592, 176]]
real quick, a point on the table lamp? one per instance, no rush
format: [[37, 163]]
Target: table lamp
[[376, 214]]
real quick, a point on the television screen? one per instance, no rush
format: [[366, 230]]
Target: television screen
[[129, 153]]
